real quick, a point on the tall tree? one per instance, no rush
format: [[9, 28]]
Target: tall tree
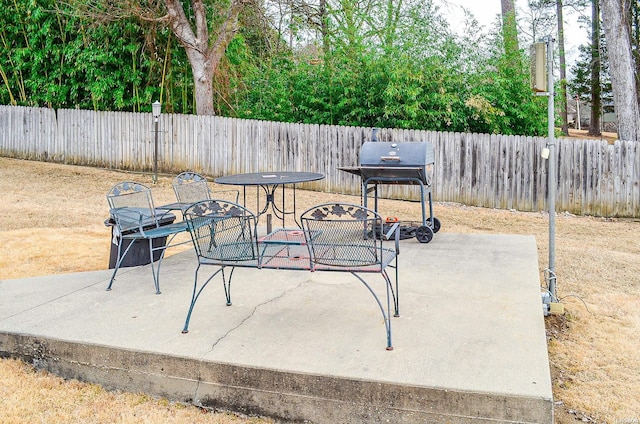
[[203, 49], [634, 19], [203, 28], [541, 19], [545, 15], [581, 81], [623, 69], [509, 25], [562, 94], [596, 70]]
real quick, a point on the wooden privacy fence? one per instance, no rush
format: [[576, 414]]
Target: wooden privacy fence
[[495, 171]]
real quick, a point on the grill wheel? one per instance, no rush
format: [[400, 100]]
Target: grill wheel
[[436, 225], [424, 234]]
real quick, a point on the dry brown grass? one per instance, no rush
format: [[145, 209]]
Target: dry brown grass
[[594, 348], [29, 396]]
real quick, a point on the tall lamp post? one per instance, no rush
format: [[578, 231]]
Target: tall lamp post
[[549, 299], [156, 109], [551, 145]]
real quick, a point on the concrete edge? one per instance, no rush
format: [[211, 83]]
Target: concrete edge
[[288, 396]]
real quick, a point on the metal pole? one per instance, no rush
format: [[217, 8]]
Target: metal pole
[[578, 108], [156, 110], [552, 182], [155, 153]]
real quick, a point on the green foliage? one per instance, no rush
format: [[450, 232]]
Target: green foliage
[[580, 83], [502, 100], [423, 78], [389, 66], [54, 59]]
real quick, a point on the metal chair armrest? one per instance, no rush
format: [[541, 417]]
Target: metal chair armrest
[[131, 216], [395, 232]]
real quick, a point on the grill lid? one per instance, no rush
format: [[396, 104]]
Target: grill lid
[[391, 154], [395, 163]]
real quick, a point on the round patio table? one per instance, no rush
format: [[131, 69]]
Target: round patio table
[[269, 183]]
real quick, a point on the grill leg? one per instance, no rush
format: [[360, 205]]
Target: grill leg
[[424, 214]]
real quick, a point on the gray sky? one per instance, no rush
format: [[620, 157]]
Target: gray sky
[[485, 11]]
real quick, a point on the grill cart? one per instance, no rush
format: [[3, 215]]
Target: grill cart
[[407, 163]]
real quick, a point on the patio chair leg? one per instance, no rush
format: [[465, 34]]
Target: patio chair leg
[[115, 268], [113, 276], [385, 314], [389, 288], [397, 297], [155, 271], [196, 295], [394, 292], [118, 262], [227, 285]]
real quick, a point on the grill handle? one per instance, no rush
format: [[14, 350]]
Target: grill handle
[[390, 158]]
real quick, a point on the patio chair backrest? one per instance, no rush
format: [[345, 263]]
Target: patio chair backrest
[[131, 196], [191, 187], [222, 231], [343, 235]]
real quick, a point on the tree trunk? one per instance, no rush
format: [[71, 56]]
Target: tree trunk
[[623, 70], [508, 7], [204, 52], [202, 69], [634, 20], [509, 26], [324, 27], [596, 104], [562, 95]]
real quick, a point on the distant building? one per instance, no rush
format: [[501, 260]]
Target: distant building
[[608, 119]]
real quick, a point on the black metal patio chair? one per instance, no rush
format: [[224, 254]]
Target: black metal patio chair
[[223, 235], [191, 187], [335, 237], [136, 220], [349, 238]]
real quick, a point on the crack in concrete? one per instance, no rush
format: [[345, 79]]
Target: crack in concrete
[[248, 317], [196, 399]]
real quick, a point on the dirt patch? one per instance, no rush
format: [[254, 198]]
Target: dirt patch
[[52, 223]]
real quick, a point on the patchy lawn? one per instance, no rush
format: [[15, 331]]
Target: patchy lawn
[[52, 222]]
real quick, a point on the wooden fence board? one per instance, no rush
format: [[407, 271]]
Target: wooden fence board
[[594, 177]]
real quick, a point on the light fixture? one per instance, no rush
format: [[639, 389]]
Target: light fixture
[[156, 108]]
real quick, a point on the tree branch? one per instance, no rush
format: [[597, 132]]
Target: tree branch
[[228, 29]]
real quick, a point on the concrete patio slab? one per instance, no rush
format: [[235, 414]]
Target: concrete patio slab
[[469, 345]]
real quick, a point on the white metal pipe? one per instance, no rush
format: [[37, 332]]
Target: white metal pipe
[[552, 181]]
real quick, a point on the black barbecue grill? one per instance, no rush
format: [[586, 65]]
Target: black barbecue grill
[[409, 163]]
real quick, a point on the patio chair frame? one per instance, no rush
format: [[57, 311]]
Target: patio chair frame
[[191, 187], [136, 219], [335, 237]]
